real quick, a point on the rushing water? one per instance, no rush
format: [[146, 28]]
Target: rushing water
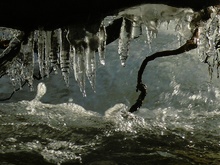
[[177, 124]]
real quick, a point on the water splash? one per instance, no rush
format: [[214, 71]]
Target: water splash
[[41, 90]]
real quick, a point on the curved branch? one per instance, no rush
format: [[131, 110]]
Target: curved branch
[[189, 45]]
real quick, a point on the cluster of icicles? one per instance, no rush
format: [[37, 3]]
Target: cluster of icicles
[[63, 49], [75, 50], [67, 50]]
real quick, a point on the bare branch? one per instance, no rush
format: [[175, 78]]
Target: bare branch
[[189, 45]]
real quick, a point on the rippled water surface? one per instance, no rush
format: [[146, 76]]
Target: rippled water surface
[[177, 124]]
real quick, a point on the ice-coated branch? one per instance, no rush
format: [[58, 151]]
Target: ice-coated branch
[[189, 45]]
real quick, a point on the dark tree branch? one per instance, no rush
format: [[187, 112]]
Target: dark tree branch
[[189, 45]]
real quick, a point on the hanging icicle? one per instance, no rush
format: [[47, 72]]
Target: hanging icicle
[[54, 51], [72, 53], [27, 50], [77, 55], [102, 43], [124, 40], [151, 32], [41, 53], [64, 55], [79, 67], [47, 50], [90, 63], [136, 29]]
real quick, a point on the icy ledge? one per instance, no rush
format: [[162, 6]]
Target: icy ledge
[[74, 49]]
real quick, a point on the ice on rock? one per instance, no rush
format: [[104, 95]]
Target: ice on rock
[[124, 40], [212, 32], [209, 42]]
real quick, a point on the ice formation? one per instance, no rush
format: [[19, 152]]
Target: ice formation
[[74, 49]]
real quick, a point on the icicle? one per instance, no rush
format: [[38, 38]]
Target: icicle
[[41, 53], [28, 60], [54, 51], [79, 68], [102, 43], [90, 63], [124, 40], [72, 59], [64, 55], [149, 39], [47, 52], [136, 29], [77, 54]]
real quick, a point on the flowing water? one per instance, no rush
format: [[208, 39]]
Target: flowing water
[[178, 122]]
